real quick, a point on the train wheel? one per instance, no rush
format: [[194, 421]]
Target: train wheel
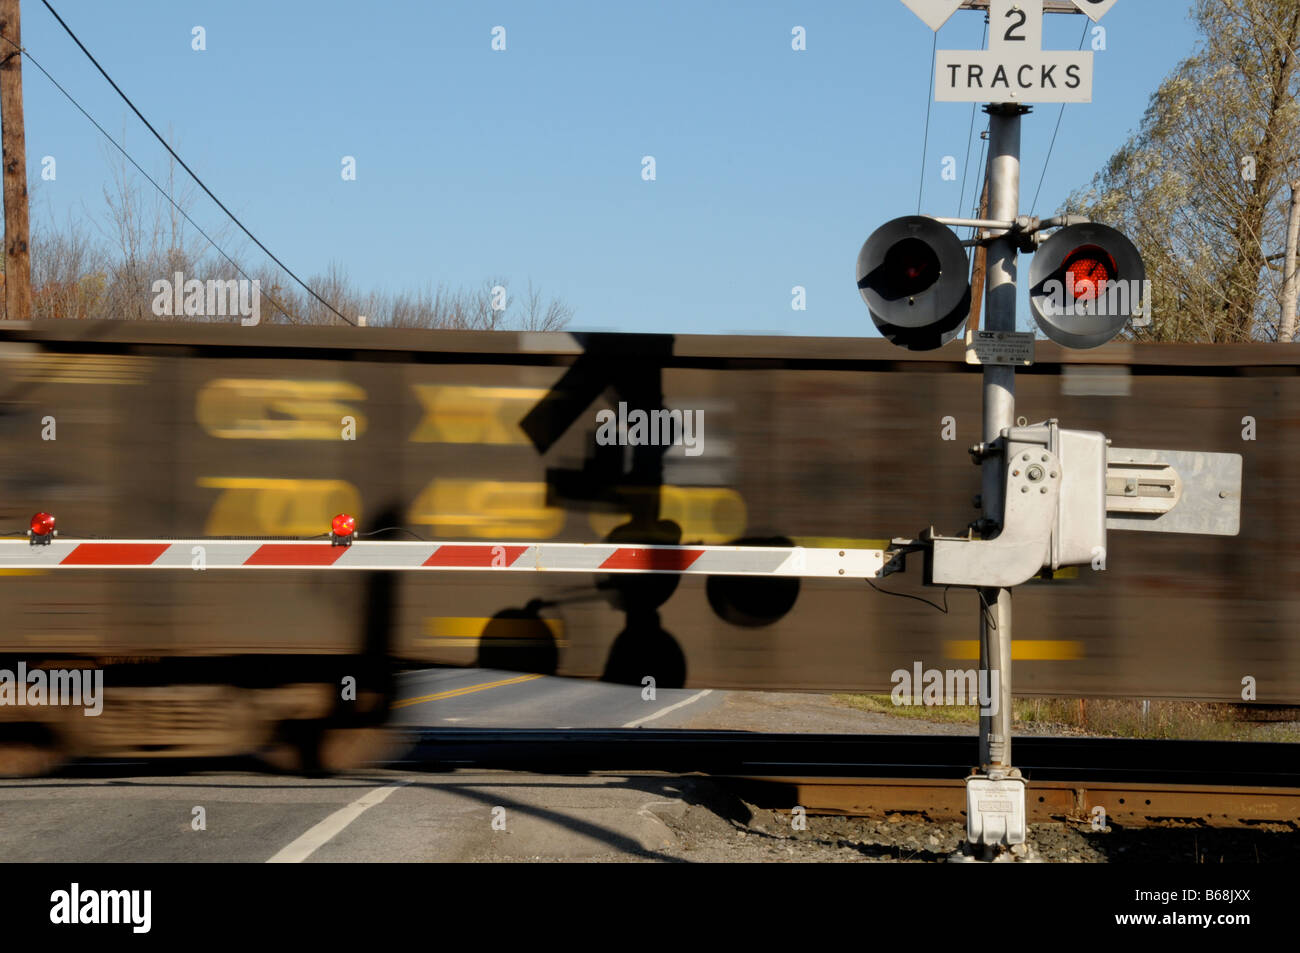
[[29, 752], [294, 751], [318, 748], [282, 757], [347, 749]]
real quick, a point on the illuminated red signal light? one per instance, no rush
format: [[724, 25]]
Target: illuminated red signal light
[[1087, 283], [42, 528], [1087, 269], [342, 528]]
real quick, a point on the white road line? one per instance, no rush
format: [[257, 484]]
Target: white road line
[[663, 711], [318, 836]]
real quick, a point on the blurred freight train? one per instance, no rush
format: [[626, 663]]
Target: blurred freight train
[[170, 430]]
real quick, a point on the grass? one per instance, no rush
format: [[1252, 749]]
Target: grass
[[1116, 717]]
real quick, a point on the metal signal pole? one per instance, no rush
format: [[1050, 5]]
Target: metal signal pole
[[999, 414], [18, 269], [1065, 523]]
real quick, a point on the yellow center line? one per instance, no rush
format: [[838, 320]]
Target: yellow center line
[[1022, 650], [468, 689]]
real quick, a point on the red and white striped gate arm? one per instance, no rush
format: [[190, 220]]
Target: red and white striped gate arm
[[197, 554]]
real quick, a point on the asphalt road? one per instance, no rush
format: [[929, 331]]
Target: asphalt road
[[165, 811], [171, 811], [486, 698], [127, 815]]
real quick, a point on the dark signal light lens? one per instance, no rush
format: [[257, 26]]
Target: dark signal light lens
[[912, 267]]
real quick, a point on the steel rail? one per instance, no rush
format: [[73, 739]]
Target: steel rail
[[1124, 805], [1100, 760], [1138, 783]]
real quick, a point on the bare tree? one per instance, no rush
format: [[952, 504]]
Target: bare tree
[[144, 237], [69, 272], [540, 315]]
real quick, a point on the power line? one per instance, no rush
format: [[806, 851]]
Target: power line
[[929, 101], [961, 202], [965, 172], [1083, 39], [126, 99], [210, 240]]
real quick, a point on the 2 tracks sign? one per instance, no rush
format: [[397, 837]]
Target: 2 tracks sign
[[1015, 67]]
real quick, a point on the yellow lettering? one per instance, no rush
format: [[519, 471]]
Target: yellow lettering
[[456, 413], [254, 506], [487, 509], [248, 409], [706, 514]]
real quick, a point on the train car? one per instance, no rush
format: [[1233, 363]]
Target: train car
[[178, 430]]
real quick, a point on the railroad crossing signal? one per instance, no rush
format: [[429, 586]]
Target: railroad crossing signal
[[912, 276], [1049, 494], [1086, 283]]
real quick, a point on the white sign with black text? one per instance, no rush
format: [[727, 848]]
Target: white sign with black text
[[992, 76], [1015, 67]]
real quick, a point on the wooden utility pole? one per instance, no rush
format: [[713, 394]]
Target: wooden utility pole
[[979, 265], [13, 156], [1291, 278]]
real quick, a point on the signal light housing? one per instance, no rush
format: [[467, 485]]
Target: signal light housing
[[342, 529], [42, 530], [1086, 283], [912, 276]]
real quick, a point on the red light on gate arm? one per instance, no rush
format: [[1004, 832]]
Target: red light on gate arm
[[42, 529], [1086, 269], [341, 529]]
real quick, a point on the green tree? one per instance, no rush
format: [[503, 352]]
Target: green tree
[[1201, 187]]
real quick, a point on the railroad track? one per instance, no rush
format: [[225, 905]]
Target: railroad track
[[1136, 782]]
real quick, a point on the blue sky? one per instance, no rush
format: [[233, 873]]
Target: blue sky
[[772, 165]]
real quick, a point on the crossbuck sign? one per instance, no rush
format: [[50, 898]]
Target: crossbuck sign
[[1015, 68]]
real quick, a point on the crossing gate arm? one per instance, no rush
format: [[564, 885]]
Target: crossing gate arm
[[203, 554]]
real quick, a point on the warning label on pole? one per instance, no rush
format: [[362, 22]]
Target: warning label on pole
[[1000, 347], [997, 76]]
